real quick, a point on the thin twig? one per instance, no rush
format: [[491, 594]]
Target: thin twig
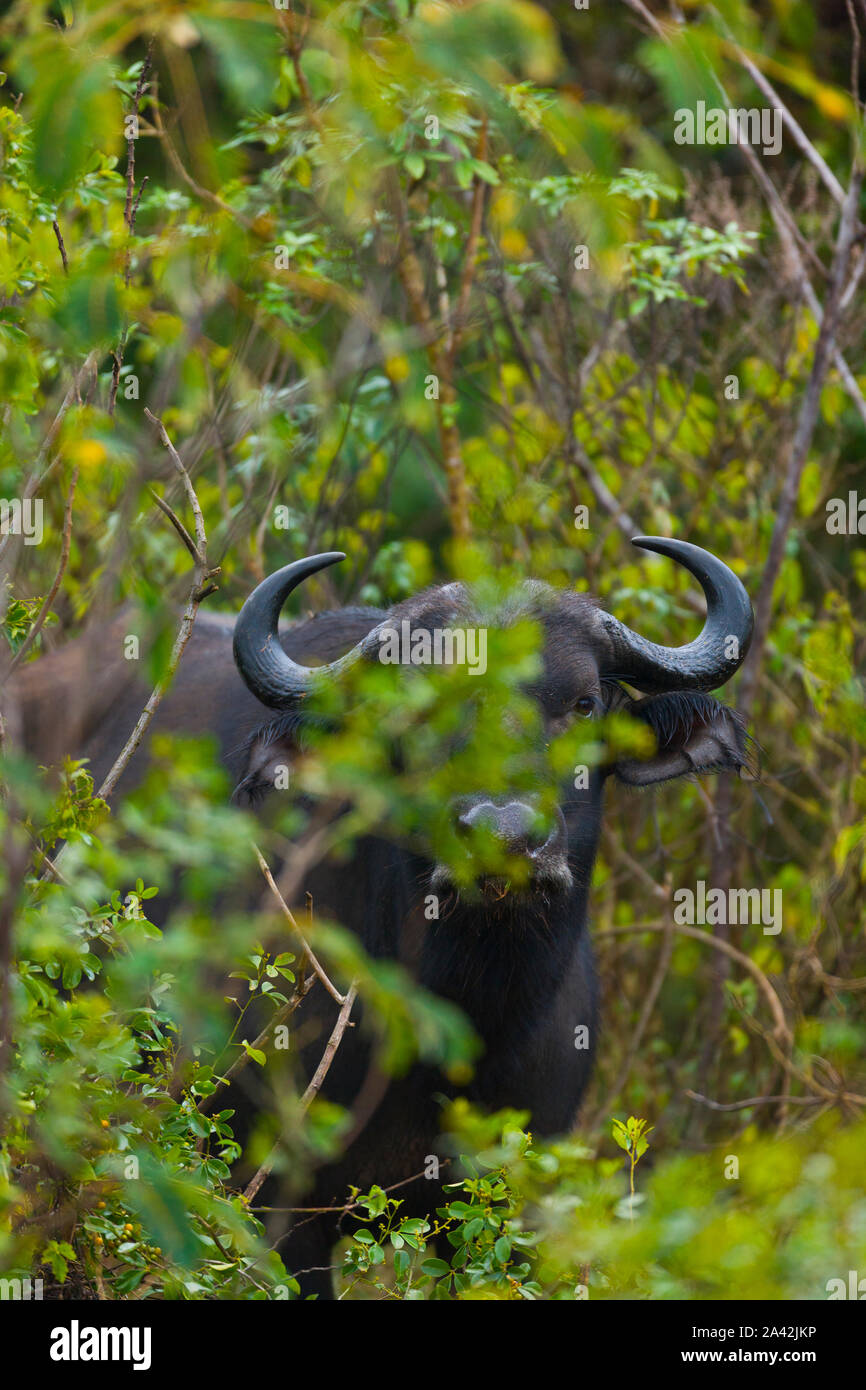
[[471, 255], [176, 523], [781, 1029], [659, 975], [313, 1088], [258, 1044], [805, 428], [174, 159], [349, 1207], [411, 277], [201, 539], [52, 592], [781, 1033], [57, 232], [40, 473], [200, 588], [801, 139], [754, 1100], [290, 918], [141, 188], [128, 210]]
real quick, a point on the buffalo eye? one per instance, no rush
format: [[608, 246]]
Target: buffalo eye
[[585, 706]]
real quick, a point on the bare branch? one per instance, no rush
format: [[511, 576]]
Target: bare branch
[[348, 1207], [290, 918], [781, 1030], [801, 139], [412, 279], [754, 1100], [805, 428], [471, 255], [313, 1088], [58, 234], [174, 159], [129, 209], [649, 1003], [285, 1012], [201, 539], [176, 523]]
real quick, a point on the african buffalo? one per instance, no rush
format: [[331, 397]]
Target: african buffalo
[[519, 964]]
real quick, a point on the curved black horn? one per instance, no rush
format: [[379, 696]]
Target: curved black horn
[[269, 673], [708, 661]]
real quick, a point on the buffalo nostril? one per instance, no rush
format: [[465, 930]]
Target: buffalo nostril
[[516, 825], [521, 834], [482, 816]]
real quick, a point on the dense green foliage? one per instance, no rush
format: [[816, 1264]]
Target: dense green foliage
[[434, 285]]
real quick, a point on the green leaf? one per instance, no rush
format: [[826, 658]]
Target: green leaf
[[76, 108], [463, 171], [485, 171]]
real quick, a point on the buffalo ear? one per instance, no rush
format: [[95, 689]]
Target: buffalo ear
[[267, 768], [266, 759], [694, 733]]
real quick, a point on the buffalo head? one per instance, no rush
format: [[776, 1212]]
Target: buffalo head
[[589, 658]]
